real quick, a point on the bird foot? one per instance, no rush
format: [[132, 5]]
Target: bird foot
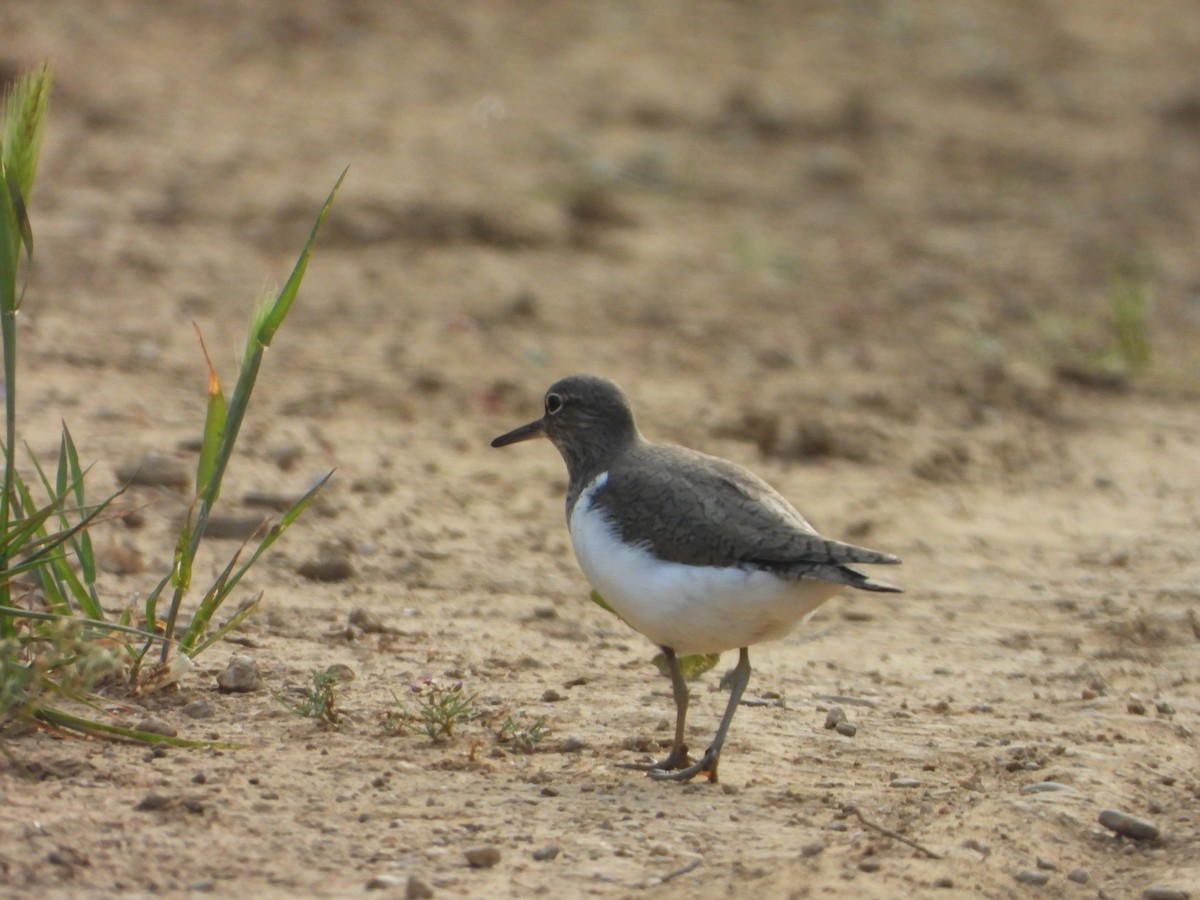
[[677, 759], [706, 765]]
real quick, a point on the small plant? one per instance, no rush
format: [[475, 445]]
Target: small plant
[[320, 700], [438, 709], [1128, 302], [523, 740], [48, 661], [56, 639]]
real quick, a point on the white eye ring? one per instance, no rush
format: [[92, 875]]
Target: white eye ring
[[554, 403]]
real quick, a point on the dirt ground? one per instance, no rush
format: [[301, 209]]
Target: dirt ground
[[869, 249]]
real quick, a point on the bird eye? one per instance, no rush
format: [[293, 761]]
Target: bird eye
[[554, 402]]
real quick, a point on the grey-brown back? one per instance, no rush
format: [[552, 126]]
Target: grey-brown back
[[690, 508]]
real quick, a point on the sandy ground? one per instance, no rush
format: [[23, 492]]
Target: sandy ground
[[867, 249]]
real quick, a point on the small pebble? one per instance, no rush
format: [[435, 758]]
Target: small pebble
[[198, 709], [1136, 707], [384, 882], [550, 695], [1034, 878], [1164, 893], [327, 566], [266, 500], [67, 857], [240, 676], [812, 848], [546, 854], [367, 621], [1129, 826], [1040, 787], [943, 882], [483, 857], [153, 470], [1079, 876], [835, 715], [1164, 708], [416, 889], [234, 527], [285, 455], [905, 782], [203, 886], [374, 484], [156, 726], [847, 729], [123, 559], [978, 846], [870, 864], [153, 801], [1043, 863]]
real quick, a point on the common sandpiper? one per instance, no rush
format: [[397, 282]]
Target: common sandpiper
[[695, 552]]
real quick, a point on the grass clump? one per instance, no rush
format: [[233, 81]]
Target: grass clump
[[1128, 304], [57, 640], [319, 700], [45, 662], [436, 711], [523, 738]]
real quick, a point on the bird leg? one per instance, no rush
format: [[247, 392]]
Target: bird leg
[[739, 677], [678, 757]]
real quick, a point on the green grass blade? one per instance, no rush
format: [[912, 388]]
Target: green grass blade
[[10, 251], [24, 230], [226, 582], [59, 719], [237, 619], [83, 545], [181, 563], [100, 626], [21, 567], [22, 532], [271, 317], [214, 428], [152, 598], [267, 319], [11, 239], [57, 572], [208, 605], [69, 480]]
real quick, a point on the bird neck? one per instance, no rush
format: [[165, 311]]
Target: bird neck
[[587, 459]]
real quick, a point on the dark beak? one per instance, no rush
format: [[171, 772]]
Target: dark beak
[[534, 429]]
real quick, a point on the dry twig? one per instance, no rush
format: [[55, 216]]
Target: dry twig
[[851, 809]]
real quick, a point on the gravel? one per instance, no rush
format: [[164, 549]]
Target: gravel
[[483, 857], [1129, 826], [240, 676]]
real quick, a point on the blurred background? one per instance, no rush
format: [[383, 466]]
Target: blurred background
[[727, 194]]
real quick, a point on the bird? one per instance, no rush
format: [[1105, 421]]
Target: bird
[[695, 552]]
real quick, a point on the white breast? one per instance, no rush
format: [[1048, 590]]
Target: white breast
[[691, 609]]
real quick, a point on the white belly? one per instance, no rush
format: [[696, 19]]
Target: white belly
[[691, 609]]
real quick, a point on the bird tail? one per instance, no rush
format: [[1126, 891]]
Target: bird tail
[[838, 574], [841, 553]]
